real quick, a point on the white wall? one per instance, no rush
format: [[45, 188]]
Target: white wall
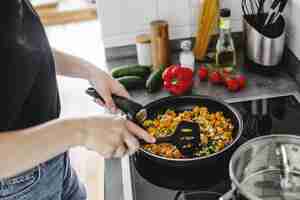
[[293, 28]]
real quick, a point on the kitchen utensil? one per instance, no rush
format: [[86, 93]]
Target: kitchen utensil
[[266, 167], [180, 104], [281, 9], [186, 138], [260, 13], [261, 6], [272, 12], [250, 7], [275, 12], [249, 3], [265, 51], [254, 9], [245, 8]]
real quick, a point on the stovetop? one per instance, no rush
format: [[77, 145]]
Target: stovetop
[[145, 180]]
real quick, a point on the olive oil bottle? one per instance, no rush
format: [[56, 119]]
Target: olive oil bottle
[[225, 50]]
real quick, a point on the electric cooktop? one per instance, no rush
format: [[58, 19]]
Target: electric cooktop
[[145, 180]]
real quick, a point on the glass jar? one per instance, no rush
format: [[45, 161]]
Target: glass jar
[[143, 48]]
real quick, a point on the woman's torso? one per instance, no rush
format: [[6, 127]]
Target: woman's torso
[[27, 76]]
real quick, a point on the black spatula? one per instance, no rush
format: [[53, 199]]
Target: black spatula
[[186, 138]]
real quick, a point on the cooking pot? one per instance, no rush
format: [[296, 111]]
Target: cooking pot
[[266, 168], [136, 111]]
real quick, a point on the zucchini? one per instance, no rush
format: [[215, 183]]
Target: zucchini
[[132, 82], [131, 70], [155, 82]]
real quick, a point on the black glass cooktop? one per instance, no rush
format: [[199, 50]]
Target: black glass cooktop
[[280, 115]]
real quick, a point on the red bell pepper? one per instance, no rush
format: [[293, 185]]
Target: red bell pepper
[[177, 79]]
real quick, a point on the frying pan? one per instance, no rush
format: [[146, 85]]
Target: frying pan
[[137, 113]]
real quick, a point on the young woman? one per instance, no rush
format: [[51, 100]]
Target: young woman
[[33, 142]]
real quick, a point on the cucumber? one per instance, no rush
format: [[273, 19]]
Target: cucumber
[[131, 70], [132, 82], [155, 82]]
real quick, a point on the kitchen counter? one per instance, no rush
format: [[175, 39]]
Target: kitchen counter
[[259, 86]]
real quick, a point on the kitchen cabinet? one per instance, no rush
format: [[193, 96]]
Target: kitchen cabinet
[[123, 20], [178, 15]]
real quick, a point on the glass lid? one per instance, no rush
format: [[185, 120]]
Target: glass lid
[[268, 168]]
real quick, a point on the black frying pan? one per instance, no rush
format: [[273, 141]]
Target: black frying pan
[[138, 113]]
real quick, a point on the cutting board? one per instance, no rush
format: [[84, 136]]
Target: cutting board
[[44, 4], [66, 12]]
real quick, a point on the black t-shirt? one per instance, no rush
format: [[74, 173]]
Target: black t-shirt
[[28, 86]]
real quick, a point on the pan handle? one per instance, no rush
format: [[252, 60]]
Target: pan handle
[[129, 107]]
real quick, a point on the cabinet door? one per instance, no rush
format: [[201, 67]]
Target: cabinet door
[[178, 15], [120, 17]]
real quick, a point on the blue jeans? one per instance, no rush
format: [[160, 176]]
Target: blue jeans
[[53, 180]]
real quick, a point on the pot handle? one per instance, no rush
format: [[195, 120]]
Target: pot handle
[[228, 195], [129, 107]]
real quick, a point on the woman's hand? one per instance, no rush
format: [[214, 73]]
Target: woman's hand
[[106, 86], [112, 136]]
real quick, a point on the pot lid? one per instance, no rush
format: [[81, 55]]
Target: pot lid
[[268, 168]]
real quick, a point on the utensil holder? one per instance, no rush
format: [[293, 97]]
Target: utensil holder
[[264, 51]]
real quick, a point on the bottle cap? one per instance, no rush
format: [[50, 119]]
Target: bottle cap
[[186, 45], [225, 12]]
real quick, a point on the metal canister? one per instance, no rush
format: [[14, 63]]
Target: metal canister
[[261, 49]]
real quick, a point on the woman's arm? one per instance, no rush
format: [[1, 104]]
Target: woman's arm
[[110, 136], [72, 66], [28, 148]]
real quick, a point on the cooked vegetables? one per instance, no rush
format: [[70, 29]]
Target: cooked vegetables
[[216, 131]]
